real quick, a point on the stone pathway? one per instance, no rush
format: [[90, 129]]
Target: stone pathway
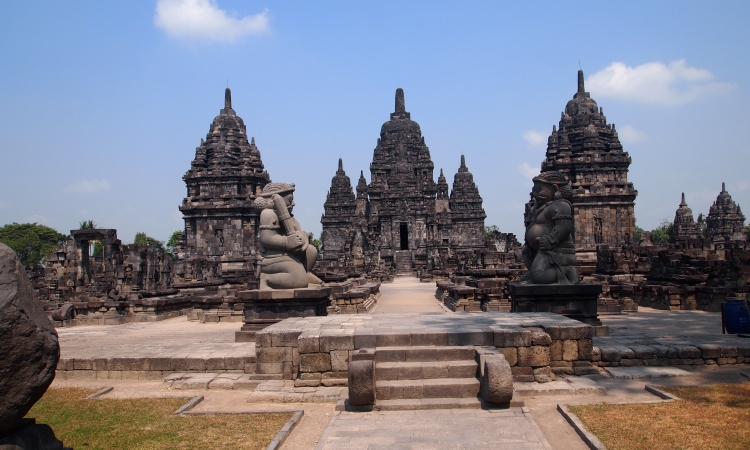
[[435, 430], [406, 295]]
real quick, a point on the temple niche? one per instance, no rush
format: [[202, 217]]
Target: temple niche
[[588, 151], [402, 221], [219, 243]]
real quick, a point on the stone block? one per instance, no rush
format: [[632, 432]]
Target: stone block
[[264, 368], [585, 349], [522, 374], [315, 362], [497, 380], [274, 354], [539, 337], [570, 332], [308, 343], [687, 352], [570, 350], [610, 354], [596, 353], [330, 342], [709, 351], [729, 352], [263, 338], [544, 375], [393, 339], [511, 355], [339, 360], [512, 337], [535, 356], [284, 338], [364, 339], [421, 339], [643, 351], [556, 351]]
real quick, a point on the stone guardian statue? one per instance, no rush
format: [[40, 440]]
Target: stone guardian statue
[[549, 250], [286, 256]]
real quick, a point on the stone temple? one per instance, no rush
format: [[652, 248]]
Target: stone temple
[[227, 174], [588, 151], [402, 220]]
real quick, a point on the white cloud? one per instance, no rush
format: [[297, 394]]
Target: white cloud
[[88, 187], [629, 134], [534, 138], [204, 20], [528, 171], [674, 83]]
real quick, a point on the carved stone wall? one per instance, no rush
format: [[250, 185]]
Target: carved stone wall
[[227, 174], [588, 151]]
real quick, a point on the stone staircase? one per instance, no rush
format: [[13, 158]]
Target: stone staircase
[[402, 262], [427, 377]]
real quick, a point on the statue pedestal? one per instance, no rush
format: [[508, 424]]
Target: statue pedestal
[[264, 308], [576, 301]]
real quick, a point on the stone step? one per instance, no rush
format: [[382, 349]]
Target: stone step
[[424, 353], [430, 388], [408, 404], [419, 370]]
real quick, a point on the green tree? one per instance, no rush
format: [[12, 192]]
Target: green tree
[[489, 230], [142, 239], [172, 242], [87, 225], [317, 243], [31, 241], [660, 234]]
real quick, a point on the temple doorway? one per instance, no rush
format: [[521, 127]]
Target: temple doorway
[[404, 234]]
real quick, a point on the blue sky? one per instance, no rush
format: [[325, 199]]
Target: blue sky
[[103, 103]]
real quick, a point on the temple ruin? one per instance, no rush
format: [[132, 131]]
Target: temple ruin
[[402, 221], [220, 238], [588, 151]]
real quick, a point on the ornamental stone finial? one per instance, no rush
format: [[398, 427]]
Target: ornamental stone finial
[[581, 88], [400, 102], [227, 99]]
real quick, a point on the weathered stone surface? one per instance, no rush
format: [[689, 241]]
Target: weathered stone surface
[[603, 199], [497, 380], [536, 356], [29, 349], [225, 178], [362, 382], [315, 362], [402, 220]]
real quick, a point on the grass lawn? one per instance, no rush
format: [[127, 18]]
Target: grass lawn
[[708, 417], [148, 424]]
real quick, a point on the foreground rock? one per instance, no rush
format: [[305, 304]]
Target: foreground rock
[[29, 350]]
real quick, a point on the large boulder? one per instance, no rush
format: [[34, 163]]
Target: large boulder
[[29, 350]]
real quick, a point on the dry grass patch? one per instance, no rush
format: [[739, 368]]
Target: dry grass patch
[[708, 417], [148, 423]]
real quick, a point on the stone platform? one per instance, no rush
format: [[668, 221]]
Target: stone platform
[[318, 349]]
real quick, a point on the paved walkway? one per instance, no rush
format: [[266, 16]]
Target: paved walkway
[[437, 429], [407, 295], [167, 338], [657, 322]]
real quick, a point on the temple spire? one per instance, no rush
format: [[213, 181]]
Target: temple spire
[[227, 99], [723, 187], [581, 88], [400, 102], [683, 200], [341, 165], [463, 162]]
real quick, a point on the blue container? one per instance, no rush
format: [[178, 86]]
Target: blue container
[[736, 316]]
